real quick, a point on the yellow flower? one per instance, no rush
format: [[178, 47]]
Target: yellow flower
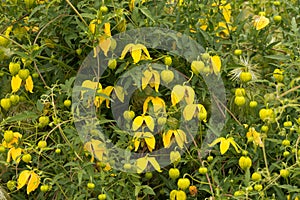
[[180, 92], [139, 120], [15, 154], [252, 133], [179, 135], [105, 93], [216, 64], [225, 144], [175, 157], [260, 22], [96, 148], [15, 140], [157, 103], [152, 78], [16, 82], [105, 39], [195, 110], [177, 194], [136, 52], [142, 163], [30, 178], [147, 136]]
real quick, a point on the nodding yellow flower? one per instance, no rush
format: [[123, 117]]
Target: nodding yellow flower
[[105, 39], [157, 103], [16, 82], [96, 148], [139, 120], [151, 77], [15, 154], [147, 137], [252, 134], [177, 194], [260, 22], [216, 64], [136, 52], [15, 140], [105, 93], [225, 144], [180, 92], [30, 178], [179, 135], [142, 163], [195, 110]]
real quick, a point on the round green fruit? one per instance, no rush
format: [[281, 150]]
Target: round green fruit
[[277, 18], [128, 115], [253, 104], [148, 175], [91, 185], [67, 103], [14, 99], [284, 173], [14, 68], [102, 196], [26, 158], [238, 52], [104, 9], [112, 64], [205, 56], [44, 188]]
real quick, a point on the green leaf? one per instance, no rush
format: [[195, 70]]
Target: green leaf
[[23, 116], [147, 13]]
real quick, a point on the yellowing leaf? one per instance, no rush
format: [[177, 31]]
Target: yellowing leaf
[[224, 146], [177, 94], [15, 83], [150, 140], [137, 123], [260, 22], [216, 64], [154, 163], [29, 84], [33, 182], [23, 178], [141, 164], [189, 111]]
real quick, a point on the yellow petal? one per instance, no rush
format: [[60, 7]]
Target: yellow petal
[[105, 44], [29, 84], [177, 94], [107, 91], [216, 141], [189, 95], [119, 93], [167, 138], [156, 80], [175, 156], [150, 140], [189, 111], [158, 104], [154, 163], [146, 102], [224, 146], [226, 11], [16, 83], [107, 29], [141, 164], [125, 50], [15, 154], [202, 113], [144, 50], [23, 178], [131, 5], [33, 182], [233, 143], [216, 64], [137, 142], [91, 85], [137, 123], [260, 22], [149, 122], [180, 137], [147, 75], [136, 53]]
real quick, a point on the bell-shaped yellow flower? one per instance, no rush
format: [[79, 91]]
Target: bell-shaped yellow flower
[[105, 93], [179, 135], [15, 83], [15, 140], [105, 39], [252, 133], [139, 120], [260, 22], [158, 105], [142, 163], [180, 92], [147, 137], [136, 52], [15, 154], [151, 77], [225, 144], [195, 110], [96, 148], [29, 84], [216, 64], [30, 178]]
